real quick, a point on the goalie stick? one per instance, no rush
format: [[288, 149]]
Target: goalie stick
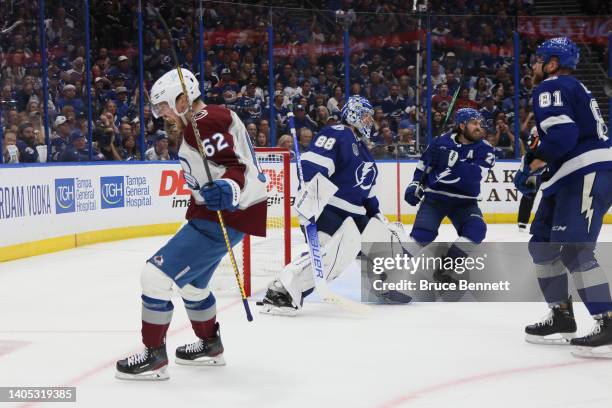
[[206, 165], [314, 246]]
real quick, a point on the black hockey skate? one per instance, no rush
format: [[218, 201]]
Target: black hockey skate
[[598, 343], [557, 328], [277, 301], [149, 364], [206, 352]]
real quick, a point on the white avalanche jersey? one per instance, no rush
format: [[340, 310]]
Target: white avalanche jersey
[[231, 157]]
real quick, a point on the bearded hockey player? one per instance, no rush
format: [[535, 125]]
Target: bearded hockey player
[[576, 153], [340, 176], [189, 259], [446, 183]]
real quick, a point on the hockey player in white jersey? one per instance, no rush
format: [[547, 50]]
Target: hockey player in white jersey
[[340, 176], [191, 256]]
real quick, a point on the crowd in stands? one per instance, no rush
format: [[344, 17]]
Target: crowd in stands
[[309, 73]]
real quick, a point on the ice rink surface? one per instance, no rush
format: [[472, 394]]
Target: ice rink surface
[[67, 317]]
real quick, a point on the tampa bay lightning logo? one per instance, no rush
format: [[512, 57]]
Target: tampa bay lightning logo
[[191, 181], [441, 177], [365, 175]]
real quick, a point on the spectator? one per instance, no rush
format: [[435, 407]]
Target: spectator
[[437, 74], [305, 137], [441, 100], [250, 106], [160, 150], [503, 134], [406, 146], [285, 141], [261, 140], [437, 124], [385, 149], [78, 151], [409, 122], [301, 120], [252, 132], [10, 150], [61, 137], [175, 138], [321, 117], [394, 105], [378, 90], [464, 101], [26, 143], [122, 103], [336, 102], [307, 93], [129, 151], [228, 88], [105, 147], [489, 112], [480, 92], [264, 127], [69, 98]]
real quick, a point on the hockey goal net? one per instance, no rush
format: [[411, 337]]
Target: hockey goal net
[[257, 256]]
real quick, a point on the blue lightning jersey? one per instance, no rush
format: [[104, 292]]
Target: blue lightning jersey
[[462, 181], [346, 161], [573, 134]]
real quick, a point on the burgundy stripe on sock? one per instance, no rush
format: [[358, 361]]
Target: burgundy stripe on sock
[[205, 329], [153, 335]]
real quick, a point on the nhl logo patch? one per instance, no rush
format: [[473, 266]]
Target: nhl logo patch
[[158, 260], [355, 150]]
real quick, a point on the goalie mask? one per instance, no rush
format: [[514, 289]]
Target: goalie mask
[[167, 88], [358, 112]]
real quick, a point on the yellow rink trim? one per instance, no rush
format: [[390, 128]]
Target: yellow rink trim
[[55, 244], [45, 246]]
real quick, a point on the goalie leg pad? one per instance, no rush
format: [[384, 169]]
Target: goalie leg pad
[[338, 251]]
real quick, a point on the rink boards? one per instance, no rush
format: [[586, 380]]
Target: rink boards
[[46, 208]]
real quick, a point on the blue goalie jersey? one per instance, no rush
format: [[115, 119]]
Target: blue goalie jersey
[[346, 161], [462, 181], [573, 134]]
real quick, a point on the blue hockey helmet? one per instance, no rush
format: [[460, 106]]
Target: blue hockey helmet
[[464, 115], [355, 113], [561, 47]]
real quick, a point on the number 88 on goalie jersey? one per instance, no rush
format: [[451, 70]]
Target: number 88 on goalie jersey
[[345, 160]]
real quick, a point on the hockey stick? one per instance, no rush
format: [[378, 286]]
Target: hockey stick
[[451, 106], [206, 166], [314, 246]]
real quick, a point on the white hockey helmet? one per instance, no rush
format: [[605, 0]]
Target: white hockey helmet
[[168, 87]]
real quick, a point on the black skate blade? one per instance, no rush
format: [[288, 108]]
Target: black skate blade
[[563, 340], [203, 361], [156, 375], [272, 310], [602, 352]]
